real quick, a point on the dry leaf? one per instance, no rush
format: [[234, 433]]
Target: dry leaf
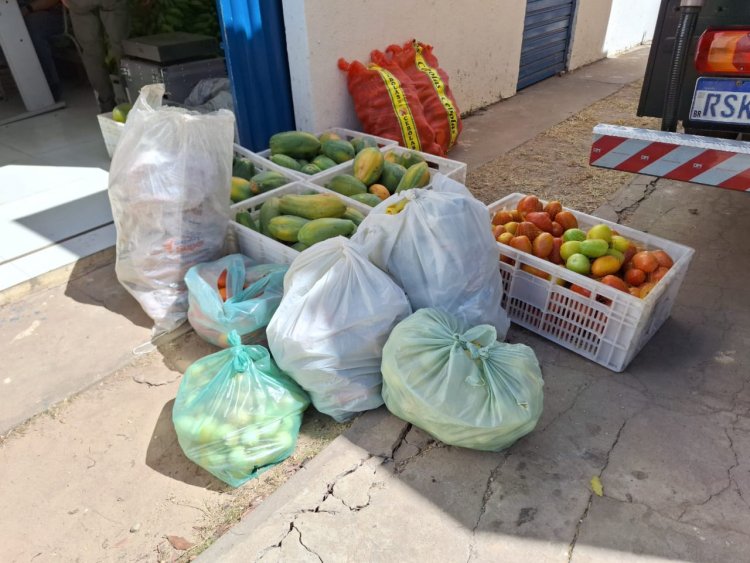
[[180, 543], [596, 486]]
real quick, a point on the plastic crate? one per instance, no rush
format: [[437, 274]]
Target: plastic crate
[[111, 131], [266, 250], [450, 168], [264, 165], [610, 326], [346, 134]]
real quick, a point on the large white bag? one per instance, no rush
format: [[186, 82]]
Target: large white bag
[[329, 330], [439, 248], [169, 188]]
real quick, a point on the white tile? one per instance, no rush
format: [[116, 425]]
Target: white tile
[[75, 123], [11, 275], [41, 205], [92, 153], [28, 189], [9, 155], [53, 257]]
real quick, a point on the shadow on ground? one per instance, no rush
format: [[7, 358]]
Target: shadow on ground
[[165, 456], [100, 287]]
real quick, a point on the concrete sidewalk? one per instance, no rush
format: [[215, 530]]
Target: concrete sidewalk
[[669, 439]]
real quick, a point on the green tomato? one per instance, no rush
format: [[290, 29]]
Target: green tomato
[[569, 248], [617, 254], [620, 243], [208, 432], [600, 231], [578, 263], [594, 248], [250, 436], [574, 234]]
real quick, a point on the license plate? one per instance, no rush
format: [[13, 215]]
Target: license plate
[[721, 100]]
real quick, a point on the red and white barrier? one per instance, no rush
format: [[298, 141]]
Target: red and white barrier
[[688, 158]]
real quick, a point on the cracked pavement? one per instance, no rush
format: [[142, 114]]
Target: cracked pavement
[[669, 439]]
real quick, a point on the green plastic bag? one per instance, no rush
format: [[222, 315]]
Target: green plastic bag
[[236, 414], [460, 384]]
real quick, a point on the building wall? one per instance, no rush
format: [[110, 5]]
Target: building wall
[[606, 27], [478, 43]]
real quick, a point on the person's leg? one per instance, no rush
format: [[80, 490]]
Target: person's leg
[[88, 32], [116, 20], [43, 26]]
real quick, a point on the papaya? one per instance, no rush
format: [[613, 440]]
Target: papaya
[[368, 165], [242, 168], [347, 185], [241, 189], [354, 215], [302, 162], [368, 199], [244, 219], [285, 161], [286, 227], [380, 190], [360, 143], [410, 158], [300, 246], [321, 229], [338, 150], [392, 157], [297, 144], [323, 162], [328, 136], [391, 176], [266, 181], [269, 210], [417, 176], [312, 206], [309, 169]]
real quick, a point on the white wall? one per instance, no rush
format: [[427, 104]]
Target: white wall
[[478, 43], [631, 23], [607, 27]]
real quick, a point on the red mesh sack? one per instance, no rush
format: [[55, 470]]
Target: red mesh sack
[[431, 82], [387, 104]]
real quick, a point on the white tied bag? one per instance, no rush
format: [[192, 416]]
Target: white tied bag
[[169, 185], [329, 330], [440, 250]]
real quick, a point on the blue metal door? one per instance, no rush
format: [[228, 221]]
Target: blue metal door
[[255, 50], [546, 35]]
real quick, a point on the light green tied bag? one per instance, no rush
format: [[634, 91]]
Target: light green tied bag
[[236, 414], [460, 384]]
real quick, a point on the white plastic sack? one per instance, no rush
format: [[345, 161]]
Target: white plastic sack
[[439, 248], [169, 188], [460, 384], [329, 330]]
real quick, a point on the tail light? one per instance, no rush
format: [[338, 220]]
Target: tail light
[[724, 51]]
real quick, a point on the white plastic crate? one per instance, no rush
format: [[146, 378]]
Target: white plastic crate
[[346, 134], [264, 165], [610, 326], [111, 131], [454, 169], [266, 250], [450, 168]]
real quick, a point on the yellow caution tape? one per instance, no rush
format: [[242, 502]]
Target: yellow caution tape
[[437, 82], [401, 108]]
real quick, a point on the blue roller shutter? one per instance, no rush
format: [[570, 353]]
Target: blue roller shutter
[[546, 35]]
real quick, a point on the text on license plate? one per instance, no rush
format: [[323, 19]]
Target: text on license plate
[[721, 100]]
